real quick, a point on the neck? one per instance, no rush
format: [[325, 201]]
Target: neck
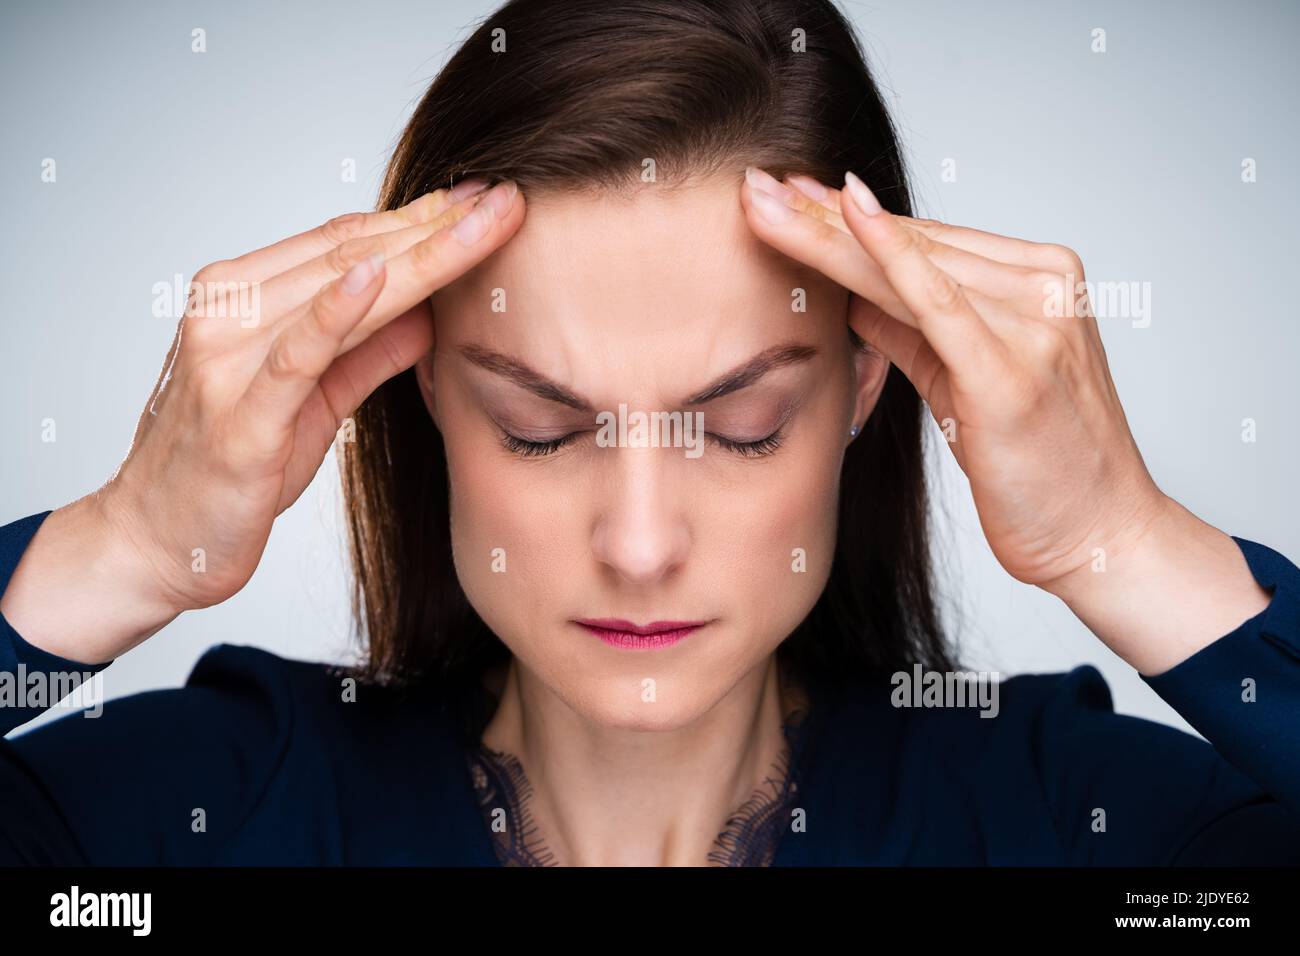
[[583, 794]]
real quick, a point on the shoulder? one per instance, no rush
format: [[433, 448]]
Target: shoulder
[[1046, 721], [979, 702], [1059, 751], [1017, 769], [311, 690], [243, 667], [383, 765], [328, 705], [1045, 732], [965, 719]]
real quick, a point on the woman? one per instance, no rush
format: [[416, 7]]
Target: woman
[[584, 647]]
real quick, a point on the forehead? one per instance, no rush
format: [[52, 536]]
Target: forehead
[[674, 274]]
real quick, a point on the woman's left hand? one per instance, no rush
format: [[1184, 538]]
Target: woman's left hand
[[1008, 355]]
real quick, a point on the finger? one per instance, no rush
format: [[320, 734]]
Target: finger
[[354, 375], [818, 192], [958, 334], [1044, 256], [824, 250], [903, 345], [1031, 275], [836, 254], [1017, 252], [443, 257], [262, 264], [283, 293], [304, 348], [995, 279], [761, 179]]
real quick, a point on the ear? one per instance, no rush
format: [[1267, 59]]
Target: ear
[[870, 369], [424, 376]]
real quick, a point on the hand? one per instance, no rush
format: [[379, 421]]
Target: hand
[[278, 347], [1023, 393], [1025, 399]]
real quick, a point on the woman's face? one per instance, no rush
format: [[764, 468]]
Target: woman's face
[[653, 303]]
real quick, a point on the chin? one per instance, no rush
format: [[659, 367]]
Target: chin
[[616, 702], [658, 717]]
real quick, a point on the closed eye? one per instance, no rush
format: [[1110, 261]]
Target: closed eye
[[533, 449], [751, 449]]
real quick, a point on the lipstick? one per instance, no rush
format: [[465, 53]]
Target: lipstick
[[618, 632]]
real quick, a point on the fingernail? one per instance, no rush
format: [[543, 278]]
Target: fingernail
[[501, 197], [474, 226], [863, 197], [765, 182], [808, 186], [771, 208], [466, 188], [362, 274]]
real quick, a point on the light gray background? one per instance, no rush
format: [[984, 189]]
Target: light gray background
[[168, 159]]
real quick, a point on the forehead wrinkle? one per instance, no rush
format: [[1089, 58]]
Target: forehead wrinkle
[[598, 301]]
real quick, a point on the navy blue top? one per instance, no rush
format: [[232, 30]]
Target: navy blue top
[[286, 771]]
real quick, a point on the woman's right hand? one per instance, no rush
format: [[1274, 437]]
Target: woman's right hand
[[277, 348]]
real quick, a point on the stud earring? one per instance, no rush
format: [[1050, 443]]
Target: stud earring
[[853, 432]]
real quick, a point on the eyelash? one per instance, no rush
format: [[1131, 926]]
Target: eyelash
[[533, 449]]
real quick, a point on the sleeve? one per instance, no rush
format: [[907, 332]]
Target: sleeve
[[1128, 791], [156, 778]]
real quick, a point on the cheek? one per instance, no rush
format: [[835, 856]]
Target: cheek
[[485, 525], [775, 544], [504, 540]]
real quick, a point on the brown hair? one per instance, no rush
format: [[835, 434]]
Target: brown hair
[[581, 94]]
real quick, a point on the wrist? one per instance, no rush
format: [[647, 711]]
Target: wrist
[[1140, 544], [1171, 587], [81, 589]]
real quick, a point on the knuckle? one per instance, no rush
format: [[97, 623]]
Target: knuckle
[[445, 218], [331, 313], [342, 228], [932, 226], [1046, 341], [425, 207], [919, 240], [942, 289], [427, 253], [815, 210], [1063, 259], [345, 255], [1045, 287], [195, 337], [1043, 280], [901, 240], [201, 335], [217, 271], [392, 354], [284, 360], [824, 236], [325, 306], [209, 290]]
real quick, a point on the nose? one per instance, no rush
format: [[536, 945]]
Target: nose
[[642, 532]]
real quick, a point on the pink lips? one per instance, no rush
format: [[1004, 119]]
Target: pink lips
[[620, 633]]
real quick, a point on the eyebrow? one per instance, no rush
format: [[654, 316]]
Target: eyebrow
[[742, 376], [747, 373]]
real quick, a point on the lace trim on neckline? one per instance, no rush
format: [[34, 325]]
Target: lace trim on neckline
[[750, 836]]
